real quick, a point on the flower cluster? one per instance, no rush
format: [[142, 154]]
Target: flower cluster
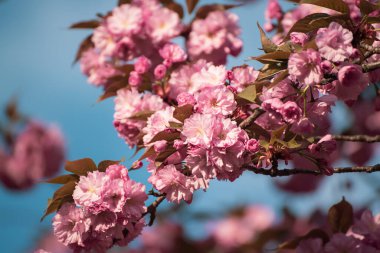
[[107, 210], [33, 154]]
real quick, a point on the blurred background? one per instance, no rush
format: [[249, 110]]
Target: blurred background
[[37, 51]]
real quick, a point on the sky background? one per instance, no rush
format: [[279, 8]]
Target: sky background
[[36, 54]]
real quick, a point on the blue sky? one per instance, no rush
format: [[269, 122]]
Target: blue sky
[[37, 50]]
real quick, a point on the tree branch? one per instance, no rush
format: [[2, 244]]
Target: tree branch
[[370, 66], [296, 171], [248, 121], [355, 138], [152, 209]]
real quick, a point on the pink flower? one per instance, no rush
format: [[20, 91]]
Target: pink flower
[[313, 245], [181, 79], [172, 182], [160, 71], [351, 82], [173, 53], [117, 171], [215, 37], [125, 20], [198, 129], [303, 126], [305, 67], [88, 190], [104, 41], [142, 65], [216, 100], [113, 195], [135, 199], [163, 25], [342, 243], [226, 133], [158, 122], [334, 42], [273, 11], [326, 145], [38, 152], [243, 76], [185, 98], [252, 145], [368, 225], [71, 226], [134, 79], [208, 76], [299, 38], [291, 112]]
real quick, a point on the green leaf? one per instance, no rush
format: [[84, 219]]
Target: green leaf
[[103, 165], [277, 134], [367, 7], [341, 216], [183, 112], [315, 233], [167, 136], [191, 5], [63, 179], [248, 93], [143, 115], [266, 43], [89, 24], [336, 5], [80, 167]]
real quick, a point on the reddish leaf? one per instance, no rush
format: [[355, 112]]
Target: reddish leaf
[[121, 2], [54, 205], [89, 24], [315, 233], [204, 10], [113, 86], [367, 7], [176, 8], [191, 5], [81, 167], [341, 216], [336, 5], [183, 112], [148, 153], [103, 165], [63, 179], [143, 115], [65, 190], [164, 155], [164, 135], [266, 43], [84, 46]]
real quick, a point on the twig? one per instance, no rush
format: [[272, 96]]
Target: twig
[[152, 209], [248, 121], [355, 138], [296, 171], [370, 66]]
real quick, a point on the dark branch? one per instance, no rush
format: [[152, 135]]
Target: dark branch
[[248, 121], [370, 66], [152, 209], [355, 138], [290, 172]]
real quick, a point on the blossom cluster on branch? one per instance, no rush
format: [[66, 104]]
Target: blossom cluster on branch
[[197, 120]]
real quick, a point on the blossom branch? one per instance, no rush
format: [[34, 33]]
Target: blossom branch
[[152, 209], [355, 138], [296, 171], [248, 121], [370, 66]]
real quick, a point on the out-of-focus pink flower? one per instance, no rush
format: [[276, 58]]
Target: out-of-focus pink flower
[[215, 37], [38, 152], [299, 38], [305, 67], [216, 100], [314, 245], [142, 65], [326, 145], [303, 126], [334, 42], [172, 182], [351, 82], [125, 20], [160, 71], [104, 41], [342, 243], [273, 11], [134, 79], [173, 53]]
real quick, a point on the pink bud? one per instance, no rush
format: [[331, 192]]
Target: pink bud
[[252, 145], [137, 165], [327, 67], [134, 79], [160, 146], [142, 65], [160, 71]]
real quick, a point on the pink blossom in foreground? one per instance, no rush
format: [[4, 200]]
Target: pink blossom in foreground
[[291, 112], [172, 182], [142, 65], [215, 100], [351, 82], [88, 190], [334, 42], [198, 129], [305, 67], [172, 53], [243, 76], [209, 76], [158, 122], [299, 38]]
